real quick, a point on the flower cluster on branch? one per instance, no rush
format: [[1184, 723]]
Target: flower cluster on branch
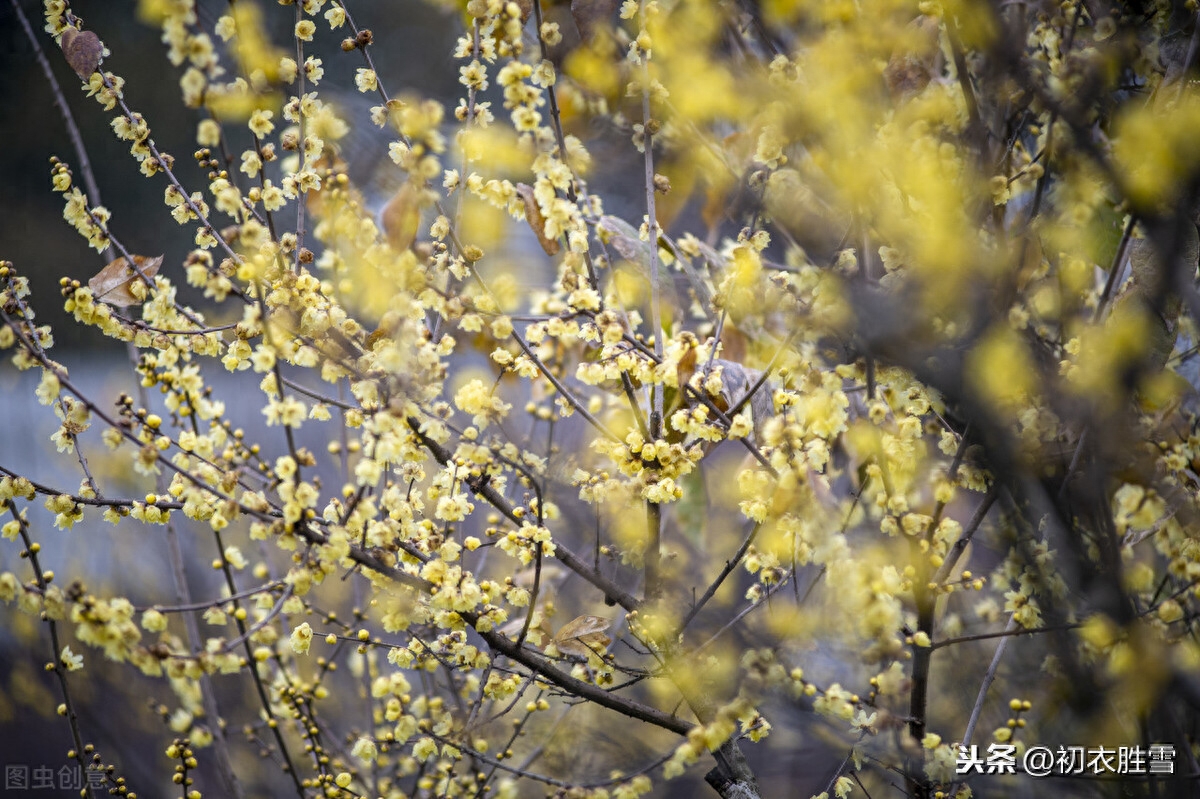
[[871, 406]]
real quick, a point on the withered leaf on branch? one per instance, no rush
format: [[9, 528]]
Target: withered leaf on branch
[[401, 217], [533, 215], [591, 15], [112, 283], [583, 635], [84, 51], [526, 7], [912, 67], [626, 240], [737, 380]]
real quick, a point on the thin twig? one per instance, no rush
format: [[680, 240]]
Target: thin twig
[[988, 678], [730, 565], [56, 651], [81, 156]]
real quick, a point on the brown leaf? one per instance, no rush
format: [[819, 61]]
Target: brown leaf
[[736, 382], [582, 625], [111, 284], [401, 217], [83, 50], [533, 215], [734, 343], [591, 15], [583, 636], [625, 239], [230, 234], [917, 62]]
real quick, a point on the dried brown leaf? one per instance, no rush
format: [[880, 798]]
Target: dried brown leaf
[[84, 51], [112, 283], [533, 215], [736, 382], [626, 240], [916, 63], [582, 625], [734, 343], [592, 15], [583, 636]]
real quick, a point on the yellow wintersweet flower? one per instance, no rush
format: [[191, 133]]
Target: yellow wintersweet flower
[[302, 638], [305, 29], [365, 750], [366, 80], [70, 660]]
